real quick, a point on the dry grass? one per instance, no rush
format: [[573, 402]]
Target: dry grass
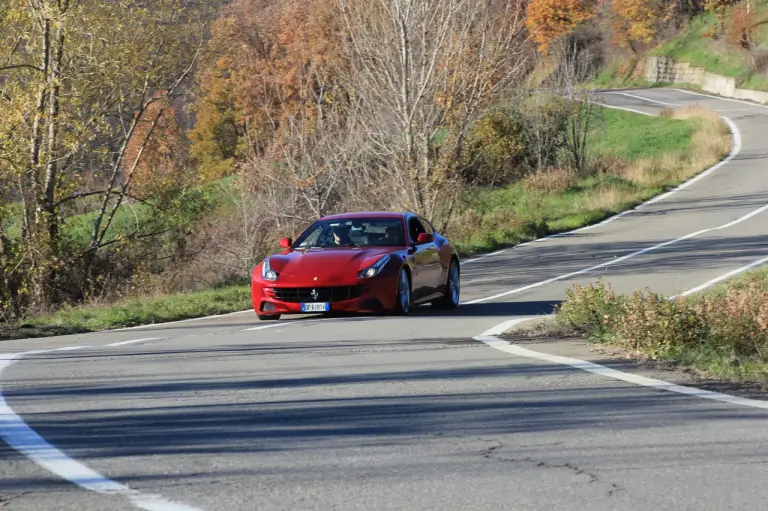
[[549, 181], [607, 198], [709, 144]]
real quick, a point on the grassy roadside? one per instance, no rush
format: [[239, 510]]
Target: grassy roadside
[[636, 157], [721, 334], [134, 312]]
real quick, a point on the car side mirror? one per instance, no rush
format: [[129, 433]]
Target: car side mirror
[[425, 238], [286, 242]]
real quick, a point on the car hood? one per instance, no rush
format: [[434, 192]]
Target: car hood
[[327, 264]]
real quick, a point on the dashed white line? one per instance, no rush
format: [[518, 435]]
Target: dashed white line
[[618, 259], [134, 341], [645, 99]]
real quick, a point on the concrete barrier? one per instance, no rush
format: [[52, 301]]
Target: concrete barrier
[[666, 70]]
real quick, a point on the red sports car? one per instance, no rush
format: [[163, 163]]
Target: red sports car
[[358, 262]]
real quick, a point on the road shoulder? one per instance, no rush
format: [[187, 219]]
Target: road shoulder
[[540, 335]]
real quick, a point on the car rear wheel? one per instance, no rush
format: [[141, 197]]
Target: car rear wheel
[[403, 303], [450, 299], [268, 317]]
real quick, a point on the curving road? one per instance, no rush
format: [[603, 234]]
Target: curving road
[[386, 413]]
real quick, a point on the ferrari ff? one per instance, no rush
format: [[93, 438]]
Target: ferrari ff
[[358, 262]]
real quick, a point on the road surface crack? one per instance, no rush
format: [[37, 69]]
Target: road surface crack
[[6, 499], [491, 453]]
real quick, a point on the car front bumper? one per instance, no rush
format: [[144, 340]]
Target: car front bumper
[[371, 296]]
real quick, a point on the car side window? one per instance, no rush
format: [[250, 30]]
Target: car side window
[[415, 228]]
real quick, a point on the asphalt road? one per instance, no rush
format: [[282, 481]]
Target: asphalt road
[[389, 413]]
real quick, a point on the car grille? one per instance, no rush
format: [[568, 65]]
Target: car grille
[[323, 294]]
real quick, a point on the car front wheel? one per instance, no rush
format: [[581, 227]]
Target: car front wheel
[[403, 302]]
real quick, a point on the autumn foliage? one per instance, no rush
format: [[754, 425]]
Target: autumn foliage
[[638, 20], [266, 62], [153, 153], [548, 20]]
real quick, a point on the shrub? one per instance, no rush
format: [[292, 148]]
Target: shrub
[[724, 332], [651, 324], [591, 310]]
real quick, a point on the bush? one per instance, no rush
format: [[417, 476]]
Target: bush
[[651, 324], [591, 310], [719, 332]]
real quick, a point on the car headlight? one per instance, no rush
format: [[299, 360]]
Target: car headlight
[[374, 269], [267, 273]]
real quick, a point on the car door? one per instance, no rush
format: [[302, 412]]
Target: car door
[[422, 258], [433, 270]]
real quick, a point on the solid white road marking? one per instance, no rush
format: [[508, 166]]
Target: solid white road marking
[[125, 343], [591, 367], [69, 348], [720, 98], [723, 277], [644, 99], [489, 337], [151, 325], [19, 436]]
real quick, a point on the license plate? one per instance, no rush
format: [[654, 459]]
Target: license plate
[[315, 307]]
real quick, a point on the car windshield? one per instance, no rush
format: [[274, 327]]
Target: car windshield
[[353, 232]]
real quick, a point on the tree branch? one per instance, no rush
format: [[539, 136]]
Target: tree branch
[[22, 66]]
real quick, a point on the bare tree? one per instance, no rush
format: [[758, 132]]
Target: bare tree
[[421, 71]]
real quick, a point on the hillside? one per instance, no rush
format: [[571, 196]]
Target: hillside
[[731, 42]]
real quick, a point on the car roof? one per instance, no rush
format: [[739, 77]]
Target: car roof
[[365, 214]]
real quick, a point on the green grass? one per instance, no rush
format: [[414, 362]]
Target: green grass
[[631, 136], [134, 312], [718, 56]]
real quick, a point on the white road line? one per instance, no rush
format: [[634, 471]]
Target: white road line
[[720, 98], [624, 108], [723, 277], [125, 343], [591, 367], [644, 98], [151, 325], [618, 259], [19, 436], [489, 337], [69, 348]]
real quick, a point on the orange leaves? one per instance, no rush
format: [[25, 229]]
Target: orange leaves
[[270, 61], [153, 151], [741, 26], [548, 20], [637, 20]]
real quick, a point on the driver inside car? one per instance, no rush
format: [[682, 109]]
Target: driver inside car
[[341, 236]]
